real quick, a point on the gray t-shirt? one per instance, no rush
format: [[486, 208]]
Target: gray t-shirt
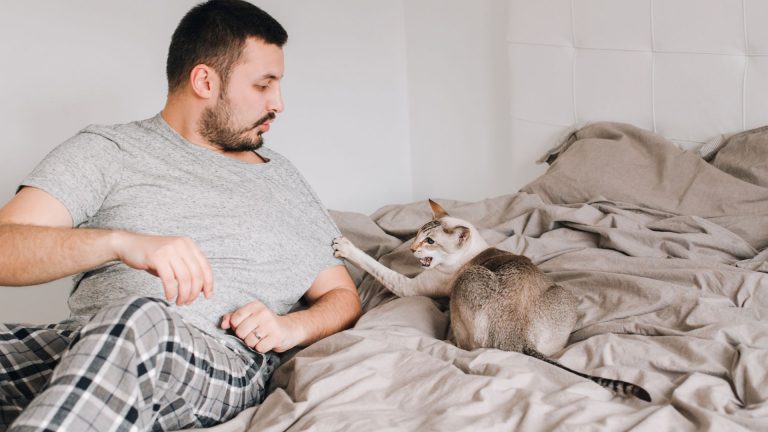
[[263, 229]]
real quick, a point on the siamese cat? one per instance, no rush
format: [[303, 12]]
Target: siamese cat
[[497, 299]]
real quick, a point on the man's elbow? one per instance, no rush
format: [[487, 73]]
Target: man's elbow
[[344, 303], [352, 306]]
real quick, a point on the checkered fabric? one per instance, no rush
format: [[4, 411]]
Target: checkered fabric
[[28, 355], [135, 366]]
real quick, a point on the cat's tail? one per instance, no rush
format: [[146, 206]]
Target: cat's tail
[[619, 387]]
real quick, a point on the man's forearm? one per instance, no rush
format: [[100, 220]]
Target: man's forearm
[[31, 254], [334, 311]]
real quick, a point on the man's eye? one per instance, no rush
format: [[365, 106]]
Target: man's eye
[[429, 240]]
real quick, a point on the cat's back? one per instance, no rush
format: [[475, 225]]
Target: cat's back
[[493, 299], [511, 271], [497, 260]]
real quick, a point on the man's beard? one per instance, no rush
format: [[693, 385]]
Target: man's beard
[[216, 126]]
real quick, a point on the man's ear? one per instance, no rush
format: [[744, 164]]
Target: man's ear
[[437, 211], [203, 81]]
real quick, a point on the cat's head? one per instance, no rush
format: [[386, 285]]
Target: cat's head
[[443, 240]]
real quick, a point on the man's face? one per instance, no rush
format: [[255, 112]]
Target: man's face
[[245, 108]]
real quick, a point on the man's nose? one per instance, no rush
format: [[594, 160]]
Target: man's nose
[[275, 102]]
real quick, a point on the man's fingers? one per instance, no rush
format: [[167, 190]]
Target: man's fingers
[[258, 327], [167, 277], [177, 261], [195, 278], [207, 273], [225, 324], [264, 344], [247, 328], [208, 281], [257, 337], [183, 279], [238, 317]]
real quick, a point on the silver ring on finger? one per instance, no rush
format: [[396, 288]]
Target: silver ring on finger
[[258, 336]]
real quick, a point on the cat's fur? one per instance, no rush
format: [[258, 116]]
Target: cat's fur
[[497, 299]]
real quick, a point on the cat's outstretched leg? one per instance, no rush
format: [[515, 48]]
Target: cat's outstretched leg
[[398, 284], [393, 281]]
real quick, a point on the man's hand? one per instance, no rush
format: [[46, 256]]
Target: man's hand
[[262, 329], [177, 261]]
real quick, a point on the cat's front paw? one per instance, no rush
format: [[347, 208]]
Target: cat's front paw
[[342, 247]]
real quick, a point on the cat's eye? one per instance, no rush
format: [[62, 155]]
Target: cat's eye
[[429, 240]]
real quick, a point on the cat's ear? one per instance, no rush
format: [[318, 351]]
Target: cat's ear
[[437, 211], [463, 235]]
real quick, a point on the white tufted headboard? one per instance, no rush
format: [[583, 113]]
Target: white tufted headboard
[[690, 70]]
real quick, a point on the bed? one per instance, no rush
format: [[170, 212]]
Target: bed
[[650, 205], [663, 250]]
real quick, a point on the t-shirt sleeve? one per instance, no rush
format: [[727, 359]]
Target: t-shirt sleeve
[[79, 173]]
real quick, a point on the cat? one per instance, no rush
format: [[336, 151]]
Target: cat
[[497, 299]]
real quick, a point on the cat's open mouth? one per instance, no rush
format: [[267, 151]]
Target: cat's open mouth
[[426, 261]]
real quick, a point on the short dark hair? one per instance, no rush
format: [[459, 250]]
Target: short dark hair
[[214, 33]]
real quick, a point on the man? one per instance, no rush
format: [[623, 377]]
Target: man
[[188, 206]]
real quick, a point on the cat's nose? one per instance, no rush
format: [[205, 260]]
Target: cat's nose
[[414, 248]]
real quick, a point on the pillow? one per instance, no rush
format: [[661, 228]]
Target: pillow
[[745, 156]]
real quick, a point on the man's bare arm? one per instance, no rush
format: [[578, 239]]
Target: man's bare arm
[[31, 254], [334, 306], [38, 244], [331, 310]]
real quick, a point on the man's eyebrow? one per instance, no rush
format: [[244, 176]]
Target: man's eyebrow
[[271, 76]]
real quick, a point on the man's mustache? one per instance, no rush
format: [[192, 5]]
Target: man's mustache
[[270, 116]]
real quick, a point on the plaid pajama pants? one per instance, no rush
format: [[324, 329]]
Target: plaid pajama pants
[[135, 366]]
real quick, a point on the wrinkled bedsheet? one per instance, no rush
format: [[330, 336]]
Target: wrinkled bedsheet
[[667, 255]]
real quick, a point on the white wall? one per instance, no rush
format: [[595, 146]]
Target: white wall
[[346, 119], [458, 97], [386, 101]]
